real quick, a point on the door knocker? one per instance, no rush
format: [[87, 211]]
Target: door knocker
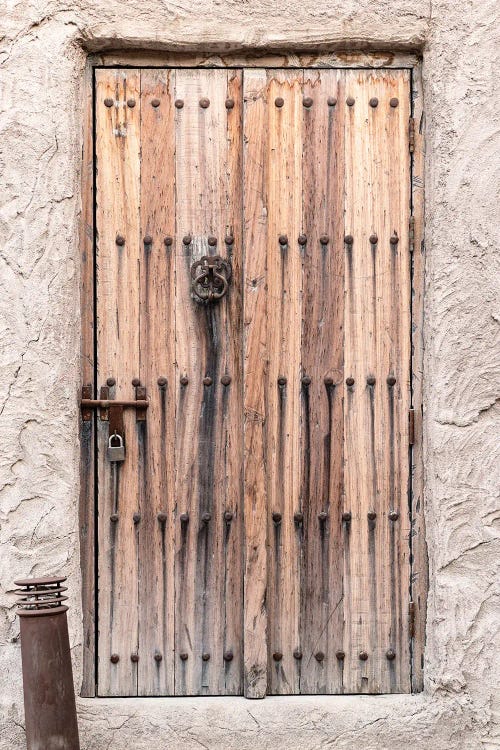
[[210, 276]]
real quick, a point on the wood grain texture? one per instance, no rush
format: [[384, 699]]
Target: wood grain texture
[[118, 191], [157, 360]]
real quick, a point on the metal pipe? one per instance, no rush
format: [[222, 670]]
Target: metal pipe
[[49, 696]]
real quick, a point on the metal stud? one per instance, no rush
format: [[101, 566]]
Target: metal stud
[[207, 381], [373, 101], [204, 102], [302, 239], [283, 239], [306, 381], [184, 517], [228, 656], [168, 241], [136, 518], [206, 517], [394, 239], [298, 517], [184, 380], [390, 654], [131, 103], [111, 382], [108, 102], [162, 381], [225, 379], [349, 239], [281, 380], [350, 101], [297, 654], [187, 239], [393, 515], [324, 239], [307, 101], [114, 518], [277, 518], [373, 239], [391, 380], [155, 103], [322, 516], [120, 240], [319, 656], [183, 656], [134, 658], [394, 102], [363, 655], [162, 517], [347, 517], [279, 101], [228, 516], [148, 239], [179, 103], [136, 382], [328, 380], [340, 655], [277, 656], [158, 657], [331, 101], [229, 103], [370, 380], [229, 239], [212, 241], [349, 381], [371, 515], [114, 658], [205, 657]]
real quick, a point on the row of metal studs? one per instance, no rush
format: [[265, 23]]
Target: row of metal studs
[[298, 517], [228, 656], [282, 239], [204, 103], [281, 381]]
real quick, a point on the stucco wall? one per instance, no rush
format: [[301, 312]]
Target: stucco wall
[[43, 49]]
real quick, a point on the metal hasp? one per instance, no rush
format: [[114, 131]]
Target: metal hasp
[[49, 696], [210, 276]]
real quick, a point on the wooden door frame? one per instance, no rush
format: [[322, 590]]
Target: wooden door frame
[[87, 506]]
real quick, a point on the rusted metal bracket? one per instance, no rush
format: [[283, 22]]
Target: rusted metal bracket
[[411, 135], [411, 619], [105, 405], [411, 426]]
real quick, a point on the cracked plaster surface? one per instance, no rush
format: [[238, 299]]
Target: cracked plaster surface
[[43, 47]]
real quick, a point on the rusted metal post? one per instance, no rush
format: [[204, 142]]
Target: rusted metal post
[[49, 697]]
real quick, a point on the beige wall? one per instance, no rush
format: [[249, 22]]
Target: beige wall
[[43, 51]]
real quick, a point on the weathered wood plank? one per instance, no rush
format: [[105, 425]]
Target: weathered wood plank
[[321, 612], [157, 361], [206, 409], [256, 376], [284, 277], [118, 171]]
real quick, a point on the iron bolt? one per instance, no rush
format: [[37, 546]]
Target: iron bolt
[[306, 380], [162, 381], [349, 381], [277, 518], [114, 518], [331, 101], [279, 101], [370, 380], [212, 241], [319, 656], [148, 239], [281, 380], [158, 657], [277, 656], [229, 103], [187, 239], [347, 517], [297, 654], [155, 103], [307, 101], [136, 382], [134, 658], [283, 239], [207, 381], [390, 654], [162, 517], [120, 240], [322, 516], [136, 518], [206, 517], [394, 102], [349, 101], [108, 102], [394, 239], [111, 382], [371, 515], [391, 380], [229, 239], [228, 515], [393, 515], [302, 240], [228, 656], [184, 380], [298, 517], [204, 102], [363, 656], [168, 241], [114, 658], [340, 655], [179, 103], [373, 101], [184, 517], [225, 379], [328, 380], [183, 656], [373, 239], [131, 103], [348, 239], [324, 239], [205, 657]]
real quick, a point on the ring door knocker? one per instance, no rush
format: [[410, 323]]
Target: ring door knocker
[[210, 277]]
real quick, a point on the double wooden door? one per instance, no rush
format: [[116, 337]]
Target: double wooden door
[[255, 538]]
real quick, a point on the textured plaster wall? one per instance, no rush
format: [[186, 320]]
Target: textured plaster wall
[[43, 48]]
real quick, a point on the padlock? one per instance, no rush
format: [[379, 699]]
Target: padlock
[[116, 453]]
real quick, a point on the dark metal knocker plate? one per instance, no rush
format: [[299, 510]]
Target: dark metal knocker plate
[[210, 277]]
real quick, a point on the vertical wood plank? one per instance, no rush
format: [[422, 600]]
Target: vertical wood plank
[[284, 276], [157, 362], [117, 213], [256, 376], [321, 613], [207, 411]]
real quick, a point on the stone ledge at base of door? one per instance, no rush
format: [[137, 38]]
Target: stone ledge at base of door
[[386, 722]]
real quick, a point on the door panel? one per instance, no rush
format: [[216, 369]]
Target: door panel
[[260, 533]]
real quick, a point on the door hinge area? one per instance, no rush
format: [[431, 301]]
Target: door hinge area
[[411, 619], [411, 135], [411, 426]]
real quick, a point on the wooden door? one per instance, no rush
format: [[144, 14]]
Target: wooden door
[[256, 537]]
